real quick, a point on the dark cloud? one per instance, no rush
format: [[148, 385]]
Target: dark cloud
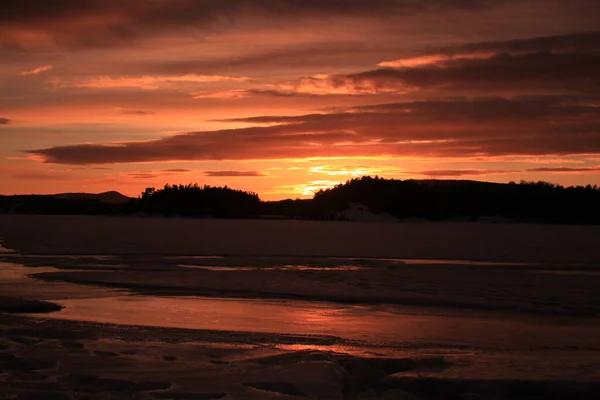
[[567, 63], [177, 12], [135, 112], [156, 174], [565, 169], [275, 93], [553, 64], [571, 72], [4, 121], [484, 109], [111, 22], [475, 172], [233, 173], [143, 175], [573, 42], [44, 175], [539, 125], [317, 56], [459, 172]]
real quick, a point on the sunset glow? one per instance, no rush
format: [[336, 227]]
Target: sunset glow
[[285, 98]]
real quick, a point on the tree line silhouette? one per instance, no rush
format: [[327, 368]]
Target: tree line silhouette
[[400, 199], [472, 200], [196, 201]]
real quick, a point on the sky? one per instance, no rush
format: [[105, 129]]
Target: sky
[[285, 97]]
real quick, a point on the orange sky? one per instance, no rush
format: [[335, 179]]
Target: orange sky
[[285, 97]]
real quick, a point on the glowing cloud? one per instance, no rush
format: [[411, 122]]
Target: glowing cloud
[[306, 189], [146, 82], [350, 170], [37, 70], [233, 173]]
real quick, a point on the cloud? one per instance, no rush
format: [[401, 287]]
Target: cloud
[[223, 94], [320, 85], [352, 170], [29, 11], [153, 174], [583, 42], [478, 172], [534, 72], [284, 90], [458, 172], [546, 160], [551, 64], [568, 63], [312, 86], [4, 121], [573, 42], [37, 70], [315, 55], [144, 82], [567, 170], [435, 59], [143, 175], [333, 85], [104, 23], [233, 173], [479, 127], [538, 125], [51, 175], [129, 111]]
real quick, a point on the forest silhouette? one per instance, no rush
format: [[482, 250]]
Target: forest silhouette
[[399, 199]]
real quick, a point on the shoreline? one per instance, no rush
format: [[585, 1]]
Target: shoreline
[[62, 358], [435, 353], [15, 305]]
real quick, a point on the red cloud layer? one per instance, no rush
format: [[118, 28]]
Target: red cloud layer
[[462, 128]]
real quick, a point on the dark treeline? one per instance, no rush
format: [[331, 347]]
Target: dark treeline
[[197, 201], [441, 200], [403, 200]]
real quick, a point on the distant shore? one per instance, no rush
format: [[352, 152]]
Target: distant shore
[[361, 199]]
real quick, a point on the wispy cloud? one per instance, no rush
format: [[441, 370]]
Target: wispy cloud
[[223, 94], [444, 173], [432, 59], [351, 170], [37, 70], [233, 173], [567, 170], [143, 82], [130, 111], [177, 170]]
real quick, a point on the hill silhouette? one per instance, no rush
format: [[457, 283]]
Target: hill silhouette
[[472, 200], [398, 199], [66, 203], [105, 197]]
